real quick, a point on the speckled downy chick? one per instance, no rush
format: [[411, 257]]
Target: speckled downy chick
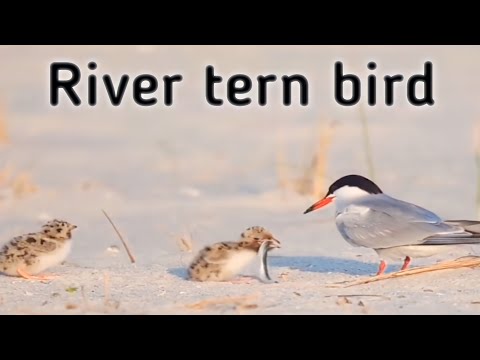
[[223, 261], [30, 254]]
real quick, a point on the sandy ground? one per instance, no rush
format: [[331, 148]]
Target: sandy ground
[[163, 172]]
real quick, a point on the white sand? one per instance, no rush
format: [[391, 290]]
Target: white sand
[[161, 172]]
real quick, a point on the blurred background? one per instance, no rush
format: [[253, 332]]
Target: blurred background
[[209, 172]]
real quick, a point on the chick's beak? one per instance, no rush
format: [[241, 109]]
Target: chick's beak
[[274, 243]]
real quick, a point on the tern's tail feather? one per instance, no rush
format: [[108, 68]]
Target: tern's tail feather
[[470, 235], [468, 225]]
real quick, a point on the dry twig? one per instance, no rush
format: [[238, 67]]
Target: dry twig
[[463, 262], [130, 255]]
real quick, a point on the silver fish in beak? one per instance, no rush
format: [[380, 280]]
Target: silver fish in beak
[[263, 254]]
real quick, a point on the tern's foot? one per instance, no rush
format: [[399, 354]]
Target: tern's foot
[[381, 268], [406, 263], [27, 276]]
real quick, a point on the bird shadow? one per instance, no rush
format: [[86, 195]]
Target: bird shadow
[[317, 264], [180, 272], [324, 264]]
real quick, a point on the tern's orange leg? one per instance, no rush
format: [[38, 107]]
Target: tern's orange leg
[[381, 268], [27, 276], [406, 263]]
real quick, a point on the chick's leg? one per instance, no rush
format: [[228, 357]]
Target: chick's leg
[[24, 274]]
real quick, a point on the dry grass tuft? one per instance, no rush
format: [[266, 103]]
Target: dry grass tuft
[[20, 184], [23, 185], [86, 306], [239, 303], [284, 276], [4, 138], [108, 306], [313, 180], [343, 300], [185, 242], [5, 176], [316, 174]]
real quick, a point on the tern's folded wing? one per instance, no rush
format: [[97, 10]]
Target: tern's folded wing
[[388, 222]]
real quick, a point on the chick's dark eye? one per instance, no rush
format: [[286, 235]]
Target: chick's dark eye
[[257, 238]]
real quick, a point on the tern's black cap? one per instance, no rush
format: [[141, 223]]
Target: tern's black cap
[[355, 180]]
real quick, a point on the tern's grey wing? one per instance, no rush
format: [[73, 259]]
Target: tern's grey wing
[[382, 222], [401, 209], [469, 235]]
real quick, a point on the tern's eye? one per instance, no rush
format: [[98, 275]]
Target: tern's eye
[[256, 238]]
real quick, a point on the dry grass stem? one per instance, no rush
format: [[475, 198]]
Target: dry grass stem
[[476, 143], [106, 288], [463, 262], [4, 138], [185, 242], [125, 245], [318, 170], [367, 143]]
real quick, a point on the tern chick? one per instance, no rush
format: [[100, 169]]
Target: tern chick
[[30, 254], [224, 260]]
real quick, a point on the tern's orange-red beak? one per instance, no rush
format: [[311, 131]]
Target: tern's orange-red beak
[[319, 204]]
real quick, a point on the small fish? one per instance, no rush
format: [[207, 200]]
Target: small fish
[[263, 254]]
